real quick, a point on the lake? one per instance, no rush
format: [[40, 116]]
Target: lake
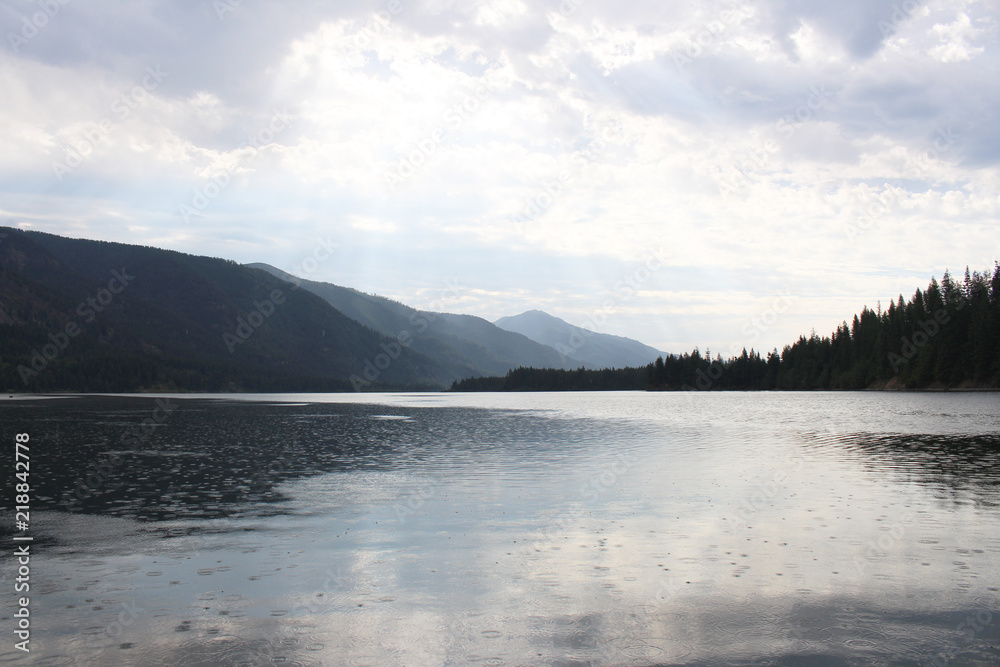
[[563, 529]]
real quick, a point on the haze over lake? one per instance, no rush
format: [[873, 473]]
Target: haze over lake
[[622, 528]]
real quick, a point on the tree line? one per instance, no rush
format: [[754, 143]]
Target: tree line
[[946, 336]]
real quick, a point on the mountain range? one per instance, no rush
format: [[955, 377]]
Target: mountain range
[[81, 315], [596, 350], [464, 344]]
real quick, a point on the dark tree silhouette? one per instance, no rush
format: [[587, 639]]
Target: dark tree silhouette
[[945, 337]]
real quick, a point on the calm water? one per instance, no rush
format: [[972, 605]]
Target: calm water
[[527, 529]]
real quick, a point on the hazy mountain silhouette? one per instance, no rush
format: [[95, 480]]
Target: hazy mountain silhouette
[[464, 345], [596, 349], [85, 315]]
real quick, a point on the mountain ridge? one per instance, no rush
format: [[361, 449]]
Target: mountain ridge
[[599, 350], [473, 345], [172, 320]]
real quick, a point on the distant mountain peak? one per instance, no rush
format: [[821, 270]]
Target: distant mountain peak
[[465, 345], [597, 349]]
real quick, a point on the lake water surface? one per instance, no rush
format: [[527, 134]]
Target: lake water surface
[[622, 528]]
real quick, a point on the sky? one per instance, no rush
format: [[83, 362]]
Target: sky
[[711, 174]]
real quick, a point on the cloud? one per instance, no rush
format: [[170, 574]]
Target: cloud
[[955, 40], [520, 148]]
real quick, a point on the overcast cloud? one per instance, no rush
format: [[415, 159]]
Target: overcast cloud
[[538, 155]]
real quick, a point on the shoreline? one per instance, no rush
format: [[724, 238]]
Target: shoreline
[[195, 394]]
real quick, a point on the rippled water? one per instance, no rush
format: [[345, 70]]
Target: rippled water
[[512, 529]]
